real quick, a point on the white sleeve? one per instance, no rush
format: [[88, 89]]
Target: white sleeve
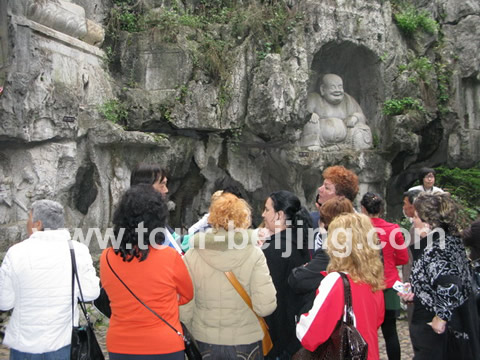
[[89, 281], [7, 292], [200, 224]]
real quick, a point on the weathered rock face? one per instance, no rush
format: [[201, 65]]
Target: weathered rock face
[[245, 125]]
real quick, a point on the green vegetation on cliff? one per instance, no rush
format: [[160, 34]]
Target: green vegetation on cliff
[[463, 183], [114, 111], [410, 20], [215, 28], [394, 107]]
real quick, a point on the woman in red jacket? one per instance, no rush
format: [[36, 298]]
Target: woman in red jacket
[[353, 253], [394, 253], [155, 273]]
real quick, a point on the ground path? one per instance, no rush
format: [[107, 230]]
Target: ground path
[[402, 327]]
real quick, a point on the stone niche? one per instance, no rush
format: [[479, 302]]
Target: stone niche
[[360, 70]]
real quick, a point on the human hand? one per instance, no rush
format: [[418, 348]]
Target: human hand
[[407, 297], [263, 234], [438, 325], [351, 121]]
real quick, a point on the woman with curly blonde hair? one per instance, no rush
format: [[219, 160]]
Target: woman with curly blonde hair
[[224, 326], [354, 249]]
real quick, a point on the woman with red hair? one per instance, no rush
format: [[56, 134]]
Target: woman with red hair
[[222, 323], [337, 180]]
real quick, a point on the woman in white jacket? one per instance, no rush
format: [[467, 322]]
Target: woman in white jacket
[[36, 281]]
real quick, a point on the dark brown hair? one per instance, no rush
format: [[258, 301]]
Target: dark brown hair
[[334, 207]]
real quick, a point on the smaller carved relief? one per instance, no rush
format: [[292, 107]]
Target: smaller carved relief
[[68, 18]]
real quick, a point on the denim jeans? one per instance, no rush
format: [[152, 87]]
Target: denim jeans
[[231, 352], [60, 354]]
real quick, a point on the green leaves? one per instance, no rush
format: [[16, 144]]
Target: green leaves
[[114, 111], [410, 20], [400, 106], [463, 183]]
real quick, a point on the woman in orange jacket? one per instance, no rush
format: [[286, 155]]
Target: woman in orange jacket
[[155, 273]]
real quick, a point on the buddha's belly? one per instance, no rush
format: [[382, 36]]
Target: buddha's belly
[[332, 130]]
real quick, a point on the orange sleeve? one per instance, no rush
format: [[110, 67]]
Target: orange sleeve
[[183, 281]]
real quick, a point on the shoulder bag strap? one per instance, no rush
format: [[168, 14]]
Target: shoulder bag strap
[[140, 301], [75, 275], [72, 255], [241, 291], [348, 316]]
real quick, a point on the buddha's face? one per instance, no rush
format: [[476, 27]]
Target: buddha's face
[[332, 89]]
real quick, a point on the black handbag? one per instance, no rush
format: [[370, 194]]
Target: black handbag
[[345, 342], [191, 348], [457, 345], [84, 345], [102, 303]]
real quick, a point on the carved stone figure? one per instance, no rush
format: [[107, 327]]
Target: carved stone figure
[[336, 118], [68, 18], [119, 183]]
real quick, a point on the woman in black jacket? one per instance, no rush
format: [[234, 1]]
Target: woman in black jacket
[[305, 279], [287, 247], [441, 281]]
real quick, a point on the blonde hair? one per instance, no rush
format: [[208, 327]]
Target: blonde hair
[[355, 254], [227, 207]]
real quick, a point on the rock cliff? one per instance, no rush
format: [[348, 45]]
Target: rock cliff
[[90, 88]]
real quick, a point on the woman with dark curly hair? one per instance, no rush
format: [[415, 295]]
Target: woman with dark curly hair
[[394, 253], [288, 223], [155, 273], [441, 284]]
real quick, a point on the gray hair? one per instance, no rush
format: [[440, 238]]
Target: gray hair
[[437, 210], [50, 213], [411, 195]]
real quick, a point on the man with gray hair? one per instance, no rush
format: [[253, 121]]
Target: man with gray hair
[[409, 211], [36, 282]]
